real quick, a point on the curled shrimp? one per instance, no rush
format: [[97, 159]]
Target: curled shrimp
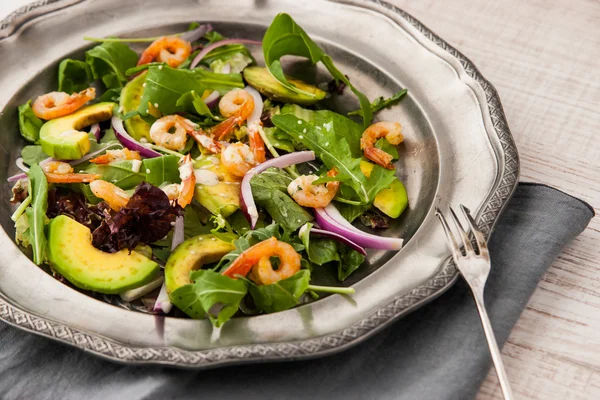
[[236, 105], [306, 194], [113, 195], [258, 259], [188, 181], [58, 104], [116, 155], [160, 131], [168, 49], [392, 131], [205, 141], [238, 159], [257, 145], [62, 172]]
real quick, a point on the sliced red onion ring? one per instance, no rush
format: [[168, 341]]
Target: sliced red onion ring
[[129, 142], [195, 34], [247, 201], [136, 293], [96, 131], [163, 304], [226, 68], [258, 105], [212, 99], [21, 164], [220, 43], [330, 219], [339, 238], [178, 232]]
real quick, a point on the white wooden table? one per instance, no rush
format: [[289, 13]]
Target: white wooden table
[[544, 59]]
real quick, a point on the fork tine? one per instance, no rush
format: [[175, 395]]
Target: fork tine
[[478, 235], [465, 238], [451, 240]]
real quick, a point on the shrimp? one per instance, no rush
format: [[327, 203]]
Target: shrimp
[[62, 172], [392, 132], [188, 181], [160, 131], [116, 155], [205, 141], [58, 104], [236, 105], [306, 194], [238, 159], [116, 197], [168, 49], [257, 145], [257, 259]]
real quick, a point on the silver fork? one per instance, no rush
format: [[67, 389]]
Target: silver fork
[[475, 268]]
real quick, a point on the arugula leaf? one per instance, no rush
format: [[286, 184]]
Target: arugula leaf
[[281, 295], [29, 124], [36, 214], [109, 61], [161, 169], [381, 103], [389, 148], [192, 103], [33, 154], [351, 211], [165, 86], [351, 260], [213, 36], [279, 139], [73, 76], [119, 173], [285, 37], [212, 294], [111, 95], [192, 223], [270, 192]]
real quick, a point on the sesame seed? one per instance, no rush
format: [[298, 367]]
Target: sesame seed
[[304, 130], [155, 105], [147, 111], [213, 239], [192, 252], [144, 84], [173, 223], [148, 171], [299, 122], [160, 67], [200, 238], [301, 137], [143, 140]]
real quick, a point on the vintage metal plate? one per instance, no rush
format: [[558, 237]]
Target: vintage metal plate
[[458, 150]]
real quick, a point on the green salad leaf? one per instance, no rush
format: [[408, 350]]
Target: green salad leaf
[[36, 214], [281, 295], [119, 173], [109, 61], [33, 154], [29, 124], [211, 294], [285, 37], [350, 211], [350, 261], [22, 233], [192, 103], [269, 189], [193, 224], [279, 139], [159, 170], [165, 86], [381, 103], [73, 76]]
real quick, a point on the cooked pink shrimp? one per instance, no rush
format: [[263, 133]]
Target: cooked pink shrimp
[[62, 172], [205, 141], [392, 131], [238, 159], [58, 104], [306, 194], [116, 155], [160, 131], [236, 105], [168, 49], [188, 181], [116, 197], [257, 145], [257, 258]]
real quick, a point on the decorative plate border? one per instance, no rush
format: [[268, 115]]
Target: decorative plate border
[[338, 341]]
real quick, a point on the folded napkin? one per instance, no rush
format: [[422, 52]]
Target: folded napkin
[[437, 352]]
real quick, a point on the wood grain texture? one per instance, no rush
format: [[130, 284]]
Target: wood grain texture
[[544, 58]]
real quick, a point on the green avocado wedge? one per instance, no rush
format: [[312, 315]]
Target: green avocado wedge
[[63, 139], [191, 255], [391, 201], [222, 198], [261, 79], [70, 253], [131, 95]]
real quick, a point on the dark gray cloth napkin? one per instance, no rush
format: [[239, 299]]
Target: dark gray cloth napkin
[[437, 352]]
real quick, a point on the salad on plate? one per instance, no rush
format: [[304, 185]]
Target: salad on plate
[[190, 176]]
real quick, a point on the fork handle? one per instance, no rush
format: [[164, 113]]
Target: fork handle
[[493, 345]]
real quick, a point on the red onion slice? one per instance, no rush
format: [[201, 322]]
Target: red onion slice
[[21, 165], [246, 200], [96, 131], [218, 44], [339, 238], [129, 142], [178, 232], [330, 219], [195, 34], [136, 293], [212, 99], [163, 304]]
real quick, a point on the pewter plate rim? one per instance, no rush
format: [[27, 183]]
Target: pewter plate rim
[[315, 347]]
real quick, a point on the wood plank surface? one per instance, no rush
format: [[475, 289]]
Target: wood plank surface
[[543, 56]]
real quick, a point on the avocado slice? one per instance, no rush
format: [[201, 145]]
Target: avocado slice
[[191, 255], [222, 198], [70, 253], [131, 96], [62, 138], [261, 79], [391, 201]]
